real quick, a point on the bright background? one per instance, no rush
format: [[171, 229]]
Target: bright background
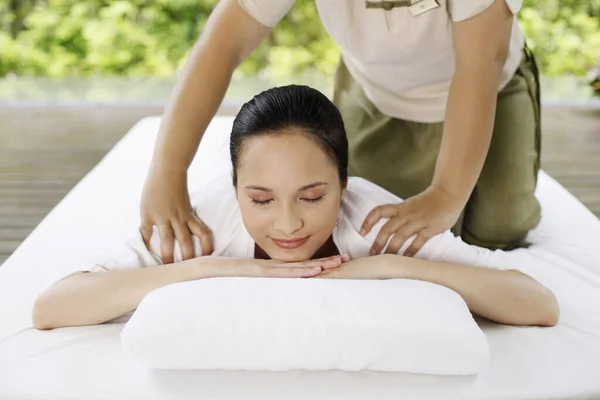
[[93, 49]]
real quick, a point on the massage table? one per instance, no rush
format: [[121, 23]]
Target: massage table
[[102, 211]]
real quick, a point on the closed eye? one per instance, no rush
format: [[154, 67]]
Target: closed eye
[[265, 202], [261, 202], [315, 200]]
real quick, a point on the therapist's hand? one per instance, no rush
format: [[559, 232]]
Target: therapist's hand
[[426, 215], [166, 204]]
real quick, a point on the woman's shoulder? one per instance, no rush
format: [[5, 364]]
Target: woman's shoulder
[[217, 206], [360, 198], [362, 190], [215, 203]]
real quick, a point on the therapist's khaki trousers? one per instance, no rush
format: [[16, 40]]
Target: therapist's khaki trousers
[[401, 155]]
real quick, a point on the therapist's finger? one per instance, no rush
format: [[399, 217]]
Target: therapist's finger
[[167, 239], [203, 233], [376, 214], [422, 238], [146, 231], [400, 237], [386, 231], [184, 237]]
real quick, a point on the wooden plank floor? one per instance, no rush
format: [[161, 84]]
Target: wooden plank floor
[[46, 150]]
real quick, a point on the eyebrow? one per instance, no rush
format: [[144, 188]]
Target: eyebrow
[[303, 188]]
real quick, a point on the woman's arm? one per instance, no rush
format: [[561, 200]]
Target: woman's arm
[[90, 298], [507, 297]]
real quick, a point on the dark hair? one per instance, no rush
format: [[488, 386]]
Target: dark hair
[[275, 110]]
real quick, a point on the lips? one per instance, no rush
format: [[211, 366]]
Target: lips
[[289, 244]]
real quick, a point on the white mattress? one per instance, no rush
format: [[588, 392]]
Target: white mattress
[[87, 362]]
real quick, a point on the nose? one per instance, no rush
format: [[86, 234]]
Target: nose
[[288, 221]]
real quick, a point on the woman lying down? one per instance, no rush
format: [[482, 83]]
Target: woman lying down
[[293, 212]]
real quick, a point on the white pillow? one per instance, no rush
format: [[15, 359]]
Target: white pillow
[[312, 324]]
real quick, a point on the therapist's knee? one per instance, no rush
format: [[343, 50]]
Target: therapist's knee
[[501, 224]]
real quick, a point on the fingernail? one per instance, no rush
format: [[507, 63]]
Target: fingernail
[[316, 268], [363, 232]]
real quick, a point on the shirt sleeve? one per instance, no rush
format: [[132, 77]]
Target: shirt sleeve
[[444, 247], [448, 248], [461, 10], [135, 254], [267, 12]]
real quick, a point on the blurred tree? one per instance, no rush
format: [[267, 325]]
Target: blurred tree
[[153, 37], [564, 34]]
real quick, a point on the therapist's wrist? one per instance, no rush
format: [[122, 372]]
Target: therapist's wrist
[[452, 197]]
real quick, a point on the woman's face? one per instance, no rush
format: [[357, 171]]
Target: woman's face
[[289, 194]]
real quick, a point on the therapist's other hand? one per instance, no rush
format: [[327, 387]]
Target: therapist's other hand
[[427, 214], [166, 204]]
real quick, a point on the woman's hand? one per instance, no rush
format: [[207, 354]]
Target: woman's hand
[[217, 267], [166, 204], [383, 266], [426, 214]]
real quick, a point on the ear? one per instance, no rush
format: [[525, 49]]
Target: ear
[[344, 186], [234, 184]]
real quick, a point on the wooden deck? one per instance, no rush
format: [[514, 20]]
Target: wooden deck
[[46, 150]]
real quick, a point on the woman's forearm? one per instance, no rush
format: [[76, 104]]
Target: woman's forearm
[[96, 297], [507, 297]]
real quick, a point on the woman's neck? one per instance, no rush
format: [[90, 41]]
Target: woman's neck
[[327, 250]]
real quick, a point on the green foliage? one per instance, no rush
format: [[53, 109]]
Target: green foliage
[[565, 35], [133, 37], [153, 38]]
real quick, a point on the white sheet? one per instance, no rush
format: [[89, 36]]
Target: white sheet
[[87, 362]]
